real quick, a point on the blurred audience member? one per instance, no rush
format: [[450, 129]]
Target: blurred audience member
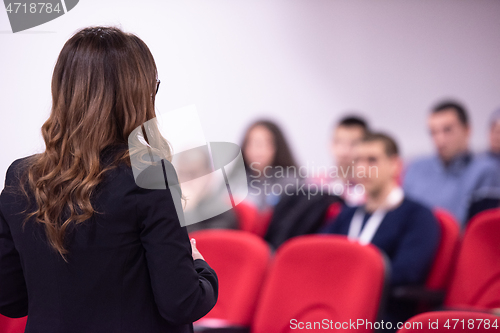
[[203, 197], [289, 206], [489, 198], [269, 163], [406, 231], [348, 132], [494, 151], [454, 177]]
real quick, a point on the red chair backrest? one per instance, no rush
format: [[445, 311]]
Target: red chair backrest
[[446, 254], [240, 260], [247, 216], [251, 220], [451, 321], [476, 278], [332, 212], [318, 277], [12, 325]]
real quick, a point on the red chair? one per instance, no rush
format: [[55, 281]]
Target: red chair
[[251, 220], [476, 278], [319, 277], [442, 266], [12, 325], [451, 321], [240, 260], [247, 216]]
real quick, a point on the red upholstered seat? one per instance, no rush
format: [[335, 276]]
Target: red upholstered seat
[[240, 260], [442, 266], [12, 325], [451, 321], [475, 281], [319, 277], [251, 219]]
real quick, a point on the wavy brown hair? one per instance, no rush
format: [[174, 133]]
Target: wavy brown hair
[[103, 87]]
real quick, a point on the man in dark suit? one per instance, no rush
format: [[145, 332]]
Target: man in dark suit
[[406, 231]]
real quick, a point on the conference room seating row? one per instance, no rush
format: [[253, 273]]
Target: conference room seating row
[[313, 277], [323, 276]]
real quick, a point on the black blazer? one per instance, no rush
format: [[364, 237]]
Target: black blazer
[[129, 268]]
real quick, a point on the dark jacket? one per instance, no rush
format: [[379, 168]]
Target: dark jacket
[[300, 213], [408, 234], [129, 267]]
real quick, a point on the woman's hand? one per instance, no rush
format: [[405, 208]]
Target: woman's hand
[[194, 251]]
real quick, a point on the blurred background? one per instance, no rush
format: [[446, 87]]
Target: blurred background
[[301, 63]]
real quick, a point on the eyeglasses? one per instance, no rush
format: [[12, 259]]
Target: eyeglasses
[[157, 85]]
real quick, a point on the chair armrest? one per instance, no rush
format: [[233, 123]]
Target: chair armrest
[[225, 329], [419, 294], [214, 325]]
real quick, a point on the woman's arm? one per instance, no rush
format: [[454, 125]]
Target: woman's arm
[[184, 289], [13, 293]]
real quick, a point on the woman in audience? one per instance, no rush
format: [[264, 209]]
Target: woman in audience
[[83, 248], [270, 167], [269, 163]]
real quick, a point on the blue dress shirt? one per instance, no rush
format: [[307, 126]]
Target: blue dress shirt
[[452, 186]]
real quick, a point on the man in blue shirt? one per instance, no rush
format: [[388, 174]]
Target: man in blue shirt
[[454, 178], [490, 197], [406, 231], [494, 151]]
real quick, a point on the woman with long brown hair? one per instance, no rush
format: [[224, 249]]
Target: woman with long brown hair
[[83, 248], [268, 161]]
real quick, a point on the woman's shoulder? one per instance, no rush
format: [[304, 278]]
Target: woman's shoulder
[[16, 168], [21, 162], [143, 178], [14, 176], [122, 173]]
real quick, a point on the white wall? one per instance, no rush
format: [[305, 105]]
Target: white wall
[[301, 62]]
